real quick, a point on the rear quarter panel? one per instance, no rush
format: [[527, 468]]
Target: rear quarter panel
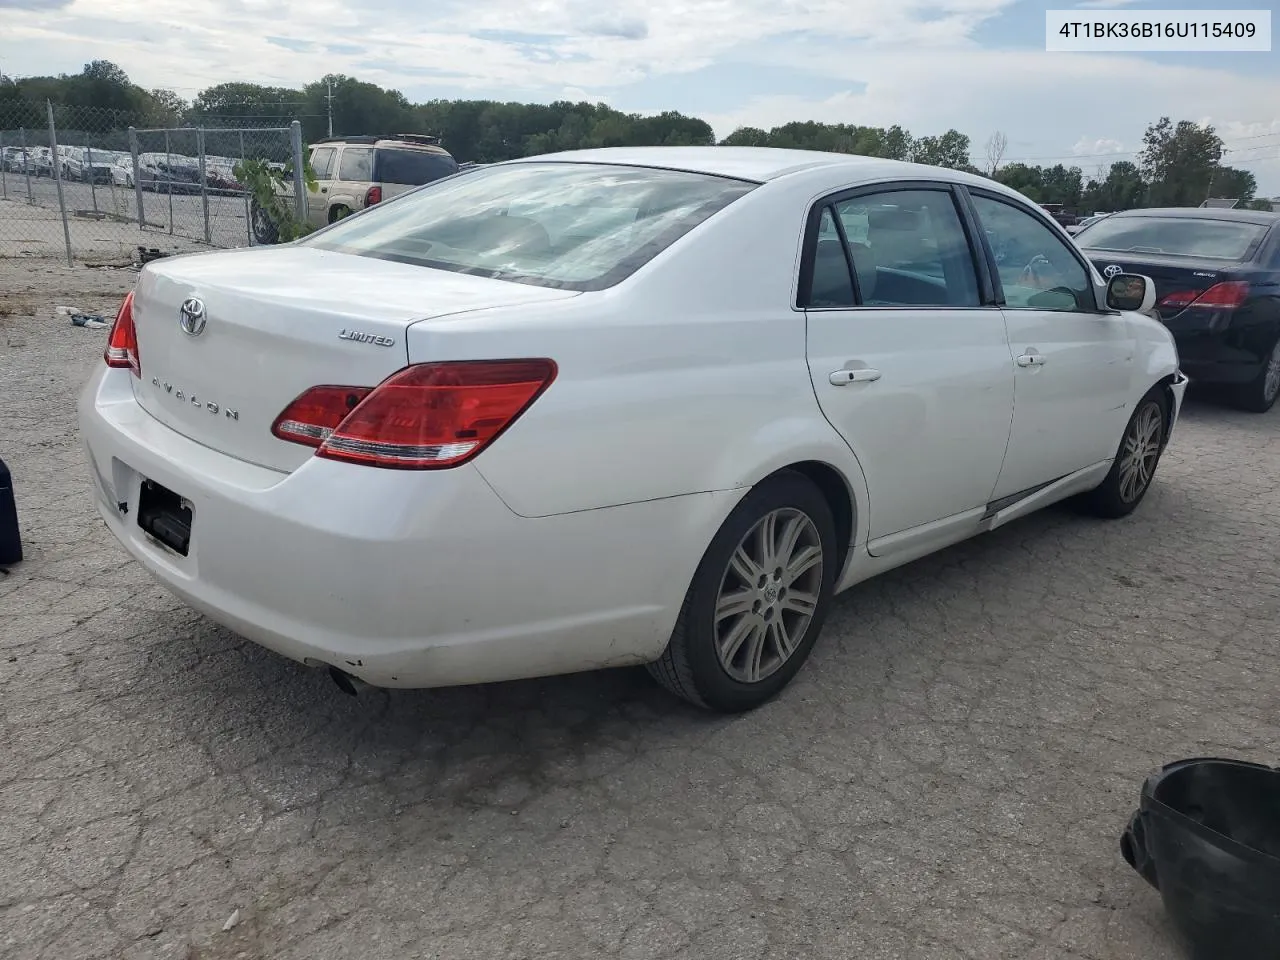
[[688, 377]]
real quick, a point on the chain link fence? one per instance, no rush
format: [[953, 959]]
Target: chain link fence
[[94, 185]]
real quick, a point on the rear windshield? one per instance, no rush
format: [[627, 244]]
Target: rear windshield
[[411, 167], [1175, 236], [573, 226]]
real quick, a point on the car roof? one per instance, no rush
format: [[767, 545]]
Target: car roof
[[1260, 217], [410, 142], [762, 164]]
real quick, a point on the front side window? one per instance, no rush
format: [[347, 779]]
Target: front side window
[[576, 226], [322, 162], [1037, 269], [909, 248], [356, 164]]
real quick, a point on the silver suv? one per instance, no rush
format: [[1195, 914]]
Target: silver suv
[[353, 173]]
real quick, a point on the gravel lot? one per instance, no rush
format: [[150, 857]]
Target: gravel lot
[[947, 778]]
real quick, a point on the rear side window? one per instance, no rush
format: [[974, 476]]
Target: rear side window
[[832, 284], [574, 226], [356, 164], [908, 249], [411, 168], [1175, 236]]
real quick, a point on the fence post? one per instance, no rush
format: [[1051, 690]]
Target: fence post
[[93, 179], [137, 174], [299, 194], [168, 172], [248, 212], [4, 179], [57, 175], [204, 182], [26, 163]]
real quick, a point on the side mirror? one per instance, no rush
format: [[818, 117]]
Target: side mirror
[[1131, 291]]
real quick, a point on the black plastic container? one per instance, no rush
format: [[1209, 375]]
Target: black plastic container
[[1207, 836], [10, 541]]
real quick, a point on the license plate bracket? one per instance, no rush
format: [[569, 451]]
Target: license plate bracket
[[165, 516]]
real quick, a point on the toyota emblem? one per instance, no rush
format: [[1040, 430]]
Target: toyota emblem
[[192, 317], [1112, 271]]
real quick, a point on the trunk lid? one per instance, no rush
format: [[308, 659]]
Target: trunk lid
[[278, 321], [1171, 274]]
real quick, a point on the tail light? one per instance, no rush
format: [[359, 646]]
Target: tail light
[[373, 195], [427, 416], [316, 414], [122, 341], [1228, 295]]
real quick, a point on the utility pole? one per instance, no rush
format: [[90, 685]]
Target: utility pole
[[329, 97]]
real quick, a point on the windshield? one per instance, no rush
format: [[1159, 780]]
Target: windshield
[[1173, 236], [575, 226]]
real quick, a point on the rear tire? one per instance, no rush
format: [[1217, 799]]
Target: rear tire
[[264, 228], [1134, 467], [1259, 395], [757, 601], [338, 211]]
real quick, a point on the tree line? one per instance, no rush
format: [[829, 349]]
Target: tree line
[[1180, 163]]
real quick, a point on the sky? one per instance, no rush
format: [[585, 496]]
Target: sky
[[976, 65]]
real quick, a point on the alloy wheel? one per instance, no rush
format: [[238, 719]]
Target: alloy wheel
[[1271, 379], [768, 595], [1140, 452]]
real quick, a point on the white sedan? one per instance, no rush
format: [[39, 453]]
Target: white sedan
[[629, 406]]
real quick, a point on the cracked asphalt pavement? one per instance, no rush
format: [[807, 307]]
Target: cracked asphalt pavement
[[947, 778]]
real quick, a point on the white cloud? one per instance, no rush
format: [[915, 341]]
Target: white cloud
[[1106, 4], [1088, 146]]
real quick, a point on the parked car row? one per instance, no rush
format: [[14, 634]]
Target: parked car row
[[159, 172], [37, 161]]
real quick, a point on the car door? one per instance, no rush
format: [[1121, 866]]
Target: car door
[[322, 165], [353, 178], [1073, 362], [909, 359]]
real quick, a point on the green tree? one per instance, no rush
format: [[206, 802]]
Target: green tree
[[169, 108], [951, 149], [1179, 162], [747, 137], [1027, 180], [246, 104], [1064, 185], [1228, 182], [358, 108]]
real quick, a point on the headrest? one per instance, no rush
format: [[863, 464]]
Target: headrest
[[890, 219]]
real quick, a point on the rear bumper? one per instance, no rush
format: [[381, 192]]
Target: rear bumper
[[401, 578], [1210, 359]]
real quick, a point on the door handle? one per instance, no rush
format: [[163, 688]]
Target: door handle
[[861, 375], [1031, 360]]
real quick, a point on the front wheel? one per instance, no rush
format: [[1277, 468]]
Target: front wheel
[[1135, 463], [758, 599]]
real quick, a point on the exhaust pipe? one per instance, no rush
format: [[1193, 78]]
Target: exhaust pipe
[[348, 684]]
